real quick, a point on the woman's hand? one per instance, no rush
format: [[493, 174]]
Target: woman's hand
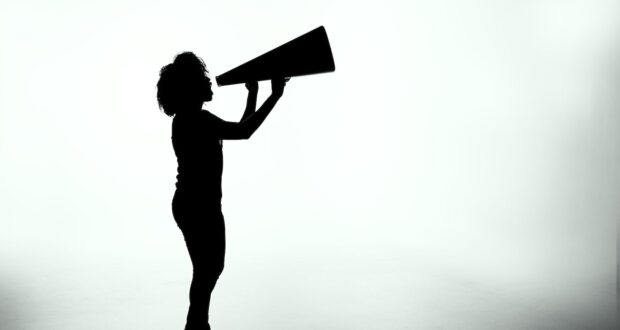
[[277, 86], [252, 86]]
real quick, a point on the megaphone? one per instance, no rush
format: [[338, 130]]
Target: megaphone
[[304, 55]]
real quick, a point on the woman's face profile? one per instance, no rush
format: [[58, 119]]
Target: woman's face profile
[[208, 91], [201, 84]]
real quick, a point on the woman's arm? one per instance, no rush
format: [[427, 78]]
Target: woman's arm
[[250, 107], [246, 127]]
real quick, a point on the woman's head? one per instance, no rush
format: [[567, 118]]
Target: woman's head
[[183, 84]]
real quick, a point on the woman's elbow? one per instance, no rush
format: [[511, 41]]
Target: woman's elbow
[[245, 132], [246, 135], [237, 132], [239, 135]]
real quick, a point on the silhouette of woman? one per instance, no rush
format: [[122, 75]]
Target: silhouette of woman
[[183, 86]]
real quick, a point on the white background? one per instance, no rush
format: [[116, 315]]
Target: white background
[[459, 170]]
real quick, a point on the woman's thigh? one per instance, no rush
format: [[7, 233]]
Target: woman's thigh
[[204, 233], [206, 243]]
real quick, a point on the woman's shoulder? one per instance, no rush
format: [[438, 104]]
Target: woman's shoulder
[[183, 122], [185, 118], [209, 120], [195, 115], [207, 115], [198, 120]]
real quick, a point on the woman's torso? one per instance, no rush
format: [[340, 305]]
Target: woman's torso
[[199, 155]]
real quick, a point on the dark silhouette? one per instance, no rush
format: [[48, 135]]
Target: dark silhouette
[[183, 87]]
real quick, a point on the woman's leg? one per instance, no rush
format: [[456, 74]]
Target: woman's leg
[[206, 246], [204, 233]]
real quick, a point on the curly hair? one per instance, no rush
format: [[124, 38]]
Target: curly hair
[[181, 81]]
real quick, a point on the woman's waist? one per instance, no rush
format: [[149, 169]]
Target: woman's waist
[[197, 192]]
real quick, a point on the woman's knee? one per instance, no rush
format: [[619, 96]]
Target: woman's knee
[[209, 272]]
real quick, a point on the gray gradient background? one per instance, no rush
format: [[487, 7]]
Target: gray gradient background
[[459, 170]]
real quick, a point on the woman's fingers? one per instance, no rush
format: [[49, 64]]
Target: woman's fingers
[[251, 85], [277, 85]]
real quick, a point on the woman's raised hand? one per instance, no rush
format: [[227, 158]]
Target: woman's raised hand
[[252, 86], [277, 86]]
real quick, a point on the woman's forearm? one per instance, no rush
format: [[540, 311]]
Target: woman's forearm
[[253, 122], [250, 106]]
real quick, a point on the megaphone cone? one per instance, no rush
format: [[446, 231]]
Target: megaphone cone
[[304, 55]]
